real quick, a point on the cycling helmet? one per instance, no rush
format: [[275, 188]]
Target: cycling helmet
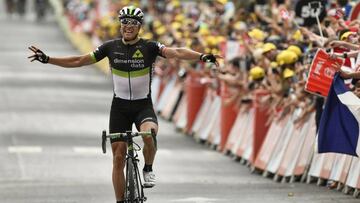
[[131, 12]]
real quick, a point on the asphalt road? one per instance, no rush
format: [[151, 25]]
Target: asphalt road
[[50, 124]]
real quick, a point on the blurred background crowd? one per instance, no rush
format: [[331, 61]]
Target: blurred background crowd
[[264, 43], [20, 8]]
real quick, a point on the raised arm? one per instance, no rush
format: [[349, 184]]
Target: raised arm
[[66, 62], [338, 43], [346, 54], [347, 75], [313, 37], [188, 54], [181, 53]]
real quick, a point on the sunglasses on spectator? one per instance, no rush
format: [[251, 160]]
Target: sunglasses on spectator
[[129, 21]]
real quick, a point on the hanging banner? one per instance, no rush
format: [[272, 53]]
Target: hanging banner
[[322, 72]]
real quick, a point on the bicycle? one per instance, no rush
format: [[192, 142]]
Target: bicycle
[[134, 189]]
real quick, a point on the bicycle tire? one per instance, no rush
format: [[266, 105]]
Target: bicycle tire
[[132, 184], [139, 188]]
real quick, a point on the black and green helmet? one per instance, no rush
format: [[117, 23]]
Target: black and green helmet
[[131, 12]]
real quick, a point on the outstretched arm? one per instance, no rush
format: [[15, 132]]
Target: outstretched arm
[[345, 54], [72, 61], [181, 53], [348, 45], [347, 75], [66, 62], [313, 37], [188, 54]]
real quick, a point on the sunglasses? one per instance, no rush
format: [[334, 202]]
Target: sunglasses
[[129, 21]]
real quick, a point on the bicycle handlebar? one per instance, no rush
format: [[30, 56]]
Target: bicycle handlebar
[[124, 135]]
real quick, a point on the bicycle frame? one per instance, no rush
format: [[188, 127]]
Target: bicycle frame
[[134, 189]]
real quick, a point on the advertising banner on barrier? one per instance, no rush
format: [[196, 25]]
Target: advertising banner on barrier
[[321, 73]]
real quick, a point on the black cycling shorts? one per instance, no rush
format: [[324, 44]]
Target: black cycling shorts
[[125, 112]]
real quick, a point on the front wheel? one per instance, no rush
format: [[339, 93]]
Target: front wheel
[[132, 192]]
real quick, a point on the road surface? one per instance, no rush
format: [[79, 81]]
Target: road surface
[[50, 124]]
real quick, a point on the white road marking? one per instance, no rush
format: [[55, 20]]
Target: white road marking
[[87, 150], [195, 200], [43, 76], [84, 150], [24, 149]]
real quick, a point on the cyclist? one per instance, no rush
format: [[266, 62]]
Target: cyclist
[[131, 61]]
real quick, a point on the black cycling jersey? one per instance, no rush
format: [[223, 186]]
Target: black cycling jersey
[[131, 66], [132, 69]]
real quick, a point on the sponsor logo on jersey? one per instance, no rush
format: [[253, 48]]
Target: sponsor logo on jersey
[[125, 61], [138, 54]]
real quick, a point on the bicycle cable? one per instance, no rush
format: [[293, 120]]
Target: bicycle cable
[[136, 147]]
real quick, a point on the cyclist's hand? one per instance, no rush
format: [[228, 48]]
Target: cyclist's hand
[[210, 58], [38, 55]]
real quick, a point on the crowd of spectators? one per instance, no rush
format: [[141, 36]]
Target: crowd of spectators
[[20, 7], [272, 52]]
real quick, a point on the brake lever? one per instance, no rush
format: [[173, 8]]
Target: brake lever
[[103, 143]]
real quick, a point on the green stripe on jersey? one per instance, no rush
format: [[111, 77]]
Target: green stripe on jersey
[[133, 74], [92, 55]]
